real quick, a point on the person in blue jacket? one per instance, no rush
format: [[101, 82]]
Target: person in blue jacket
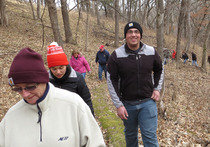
[[102, 57]]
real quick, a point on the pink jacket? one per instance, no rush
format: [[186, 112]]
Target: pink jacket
[[80, 64]]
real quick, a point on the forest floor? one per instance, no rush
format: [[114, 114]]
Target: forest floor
[[185, 97]]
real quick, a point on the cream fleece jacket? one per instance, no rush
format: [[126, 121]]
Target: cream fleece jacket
[[66, 122]]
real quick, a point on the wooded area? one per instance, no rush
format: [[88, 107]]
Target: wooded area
[[187, 19]]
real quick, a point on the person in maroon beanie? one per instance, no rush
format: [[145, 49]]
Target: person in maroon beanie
[[46, 116]]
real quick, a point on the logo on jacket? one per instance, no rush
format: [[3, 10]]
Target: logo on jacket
[[63, 138]]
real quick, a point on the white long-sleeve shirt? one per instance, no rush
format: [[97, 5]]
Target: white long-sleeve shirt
[[66, 121]]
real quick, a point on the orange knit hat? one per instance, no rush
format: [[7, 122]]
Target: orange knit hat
[[55, 55]]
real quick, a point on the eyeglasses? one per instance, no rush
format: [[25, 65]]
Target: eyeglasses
[[27, 88], [136, 32]]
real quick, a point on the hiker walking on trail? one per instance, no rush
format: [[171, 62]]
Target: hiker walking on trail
[[102, 57], [135, 77], [173, 55], [79, 63], [62, 75], [194, 59], [184, 56], [46, 116]]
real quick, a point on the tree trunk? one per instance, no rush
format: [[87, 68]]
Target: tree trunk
[[129, 10], [199, 27], [77, 28], [38, 9], [144, 19], [140, 13], [32, 9], [97, 13], [188, 26], [67, 28], [166, 16], [206, 38], [87, 25], [4, 19], [54, 21], [116, 23], [160, 23], [179, 33], [123, 8]]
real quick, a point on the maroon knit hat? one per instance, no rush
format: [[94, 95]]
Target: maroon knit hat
[[27, 67]]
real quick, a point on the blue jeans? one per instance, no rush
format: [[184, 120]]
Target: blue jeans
[[145, 116], [166, 60], [185, 61], [194, 62], [101, 68], [83, 74]]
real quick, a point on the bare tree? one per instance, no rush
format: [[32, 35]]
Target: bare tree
[[129, 10], [123, 7], [54, 21], [32, 9], [188, 26], [160, 24], [206, 38], [167, 16], [87, 25], [116, 44], [180, 28], [97, 13], [204, 12], [140, 12], [38, 9], [66, 22], [144, 18], [4, 19]]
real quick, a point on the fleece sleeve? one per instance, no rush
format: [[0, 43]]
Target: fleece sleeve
[[2, 135], [90, 133], [158, 72], [113, 80]]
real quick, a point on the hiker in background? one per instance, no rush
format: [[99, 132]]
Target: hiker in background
[[166, 56], [79, 63], [46, 116], [133, 90], [102, 57], [184, 56], [208, 59], [62, 75], [173, 55], [194, 59]]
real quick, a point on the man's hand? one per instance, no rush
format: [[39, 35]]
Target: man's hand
[[122, 112], [156, 95]]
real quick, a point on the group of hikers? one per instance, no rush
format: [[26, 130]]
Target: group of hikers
[[184, 57], [57, 110]]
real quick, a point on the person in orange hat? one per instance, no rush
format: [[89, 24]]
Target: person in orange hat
[[62, 75], [102, 57]]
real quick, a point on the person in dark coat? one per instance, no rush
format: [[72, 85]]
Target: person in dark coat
[[102, 57], [194, 59], [184, 56], [62, 75], [135, 75]]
